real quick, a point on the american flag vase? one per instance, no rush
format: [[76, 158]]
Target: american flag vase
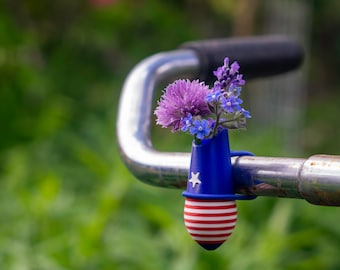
[[210, 212]]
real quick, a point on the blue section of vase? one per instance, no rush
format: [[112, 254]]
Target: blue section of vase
[[210, 175], [211, 161]]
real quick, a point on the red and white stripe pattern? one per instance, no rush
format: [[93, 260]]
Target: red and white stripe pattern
[[210, 222]]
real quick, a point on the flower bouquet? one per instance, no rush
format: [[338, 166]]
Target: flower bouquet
[[207, 114]]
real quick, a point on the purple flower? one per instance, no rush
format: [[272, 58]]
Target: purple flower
[[179, 99], [231, 104], [234, 67], [219, 73], [200, 129], [238, 80], [228, 76]]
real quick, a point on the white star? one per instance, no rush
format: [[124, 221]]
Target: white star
[[194, 179]]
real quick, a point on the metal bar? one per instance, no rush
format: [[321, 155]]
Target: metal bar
[[316, 179], [134, 116]]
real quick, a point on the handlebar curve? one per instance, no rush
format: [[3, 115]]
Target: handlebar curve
[[316, 179]]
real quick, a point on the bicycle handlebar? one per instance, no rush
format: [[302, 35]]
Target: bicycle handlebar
[[316, 179], [258, 56]]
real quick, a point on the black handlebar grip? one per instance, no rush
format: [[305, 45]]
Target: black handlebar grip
[[258, 56]]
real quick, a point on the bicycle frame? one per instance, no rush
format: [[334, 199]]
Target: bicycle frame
[[315, 179]]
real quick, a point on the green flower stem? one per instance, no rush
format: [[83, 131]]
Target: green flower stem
[[197, 141], [216, 124], [231, 120]]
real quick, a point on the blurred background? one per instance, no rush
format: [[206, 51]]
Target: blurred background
[[66, 199]]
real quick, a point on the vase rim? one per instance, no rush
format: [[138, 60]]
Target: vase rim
[[206, 141]]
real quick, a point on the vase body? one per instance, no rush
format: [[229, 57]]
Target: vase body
[[210, 212]]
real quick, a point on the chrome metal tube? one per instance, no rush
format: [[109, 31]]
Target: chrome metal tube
[[319, 180], [134, 116], [316, 179]]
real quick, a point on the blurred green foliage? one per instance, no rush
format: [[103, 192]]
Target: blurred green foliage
[[67, 201]]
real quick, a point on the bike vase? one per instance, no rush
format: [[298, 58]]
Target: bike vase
[[210, 212]]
